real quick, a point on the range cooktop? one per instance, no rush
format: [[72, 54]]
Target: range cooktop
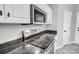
[[43, 42]]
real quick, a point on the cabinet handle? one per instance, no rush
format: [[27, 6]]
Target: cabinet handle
[[8, 14], [0, 12]]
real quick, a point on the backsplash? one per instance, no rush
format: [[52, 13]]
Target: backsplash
[[9, 32]]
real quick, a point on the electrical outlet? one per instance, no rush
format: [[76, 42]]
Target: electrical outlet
[[27, 32]]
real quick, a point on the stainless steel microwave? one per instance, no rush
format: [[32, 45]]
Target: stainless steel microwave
[[38, 16]]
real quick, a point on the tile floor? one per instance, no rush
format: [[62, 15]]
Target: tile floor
[[69, 49]]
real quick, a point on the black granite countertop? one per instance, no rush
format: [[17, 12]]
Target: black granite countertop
[[8, 46]]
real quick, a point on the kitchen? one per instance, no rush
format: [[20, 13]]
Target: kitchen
[[36, 28], [21, 25]]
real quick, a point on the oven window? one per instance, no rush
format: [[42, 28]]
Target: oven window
[[39, 16]]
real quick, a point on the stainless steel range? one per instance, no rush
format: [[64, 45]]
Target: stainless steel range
[[43, 42]]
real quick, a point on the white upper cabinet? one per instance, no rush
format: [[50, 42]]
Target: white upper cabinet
[[17, 13], [20, 13], [2, 13], [48, 11]]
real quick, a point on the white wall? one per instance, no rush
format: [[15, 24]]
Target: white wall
[[60, 22], [10, 32]]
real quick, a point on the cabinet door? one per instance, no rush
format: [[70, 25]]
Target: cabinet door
[[17, 13], [2, 20]]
